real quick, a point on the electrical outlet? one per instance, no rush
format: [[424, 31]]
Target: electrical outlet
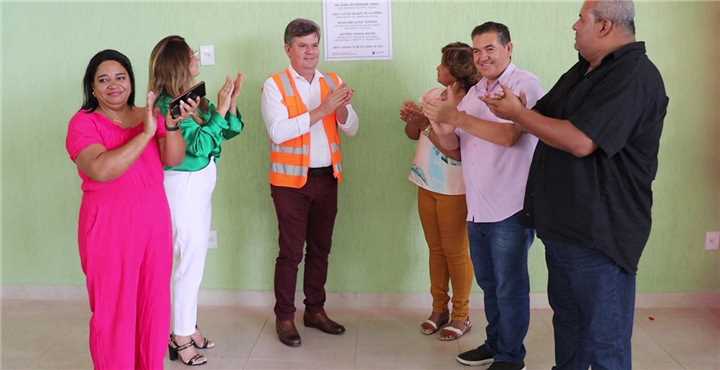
[[213, 239], [712, 240]]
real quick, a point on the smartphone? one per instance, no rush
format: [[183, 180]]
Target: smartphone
[[197, 91]]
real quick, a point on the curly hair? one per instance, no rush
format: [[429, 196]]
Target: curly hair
[[458, 58]]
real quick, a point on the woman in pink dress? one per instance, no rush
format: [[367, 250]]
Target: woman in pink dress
[[124, 230]]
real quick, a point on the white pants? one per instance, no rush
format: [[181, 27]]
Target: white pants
[[190, 197]]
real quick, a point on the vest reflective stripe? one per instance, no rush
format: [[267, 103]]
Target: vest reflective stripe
[[330, 82], [288, 169], [290, 159], [289, 91], [305, 149]]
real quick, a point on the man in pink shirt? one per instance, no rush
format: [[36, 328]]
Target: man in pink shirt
[[496, 157]]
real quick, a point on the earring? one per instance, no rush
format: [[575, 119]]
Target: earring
[[93, 93]]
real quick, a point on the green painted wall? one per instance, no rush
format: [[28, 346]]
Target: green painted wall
[[378, 240]]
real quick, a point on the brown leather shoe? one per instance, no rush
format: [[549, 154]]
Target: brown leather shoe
[[322, 322], [287, 333]]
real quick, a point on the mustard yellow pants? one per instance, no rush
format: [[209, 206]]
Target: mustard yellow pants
[[443, 221]]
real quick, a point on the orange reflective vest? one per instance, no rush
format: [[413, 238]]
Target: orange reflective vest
[[290, 160]]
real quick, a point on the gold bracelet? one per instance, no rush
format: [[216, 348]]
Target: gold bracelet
[[427, 130]]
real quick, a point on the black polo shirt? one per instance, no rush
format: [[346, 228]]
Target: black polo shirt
[[603, 200]]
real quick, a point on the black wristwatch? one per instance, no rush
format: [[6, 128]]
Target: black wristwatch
[[171, 128]]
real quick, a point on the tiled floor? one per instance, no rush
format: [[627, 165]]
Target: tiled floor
[[47, 335]]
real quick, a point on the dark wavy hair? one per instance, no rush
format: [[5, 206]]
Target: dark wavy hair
[[458, 58], [502, 31], [90, 103]]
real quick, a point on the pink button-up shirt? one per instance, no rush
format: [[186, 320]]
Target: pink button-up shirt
[[495, 175]]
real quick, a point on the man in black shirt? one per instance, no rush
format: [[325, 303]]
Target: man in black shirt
[[589, 190]]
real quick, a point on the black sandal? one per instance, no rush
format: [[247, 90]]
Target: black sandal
[[174, 352]]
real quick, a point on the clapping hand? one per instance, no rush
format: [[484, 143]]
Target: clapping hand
[[336, 99], [505, 105], [237, 87], [150, 124], [225, 96], [445, 109], [412, 114], [346, 94], [442, 112]]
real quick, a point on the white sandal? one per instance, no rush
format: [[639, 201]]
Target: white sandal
[[452, 333], [435, 326]]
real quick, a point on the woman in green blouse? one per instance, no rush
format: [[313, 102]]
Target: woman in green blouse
[[189, 186]]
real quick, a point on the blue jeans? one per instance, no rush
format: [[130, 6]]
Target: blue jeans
[[499, 252], [593, 301]]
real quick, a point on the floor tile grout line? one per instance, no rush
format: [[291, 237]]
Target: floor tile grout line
[[652, 339], [257, 339], [357, 342]]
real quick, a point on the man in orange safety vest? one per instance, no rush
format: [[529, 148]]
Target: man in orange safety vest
[[304, 111]]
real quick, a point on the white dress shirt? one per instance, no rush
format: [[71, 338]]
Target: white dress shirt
[[281, 128]]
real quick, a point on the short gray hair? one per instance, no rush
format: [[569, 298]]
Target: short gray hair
[[621, 12]]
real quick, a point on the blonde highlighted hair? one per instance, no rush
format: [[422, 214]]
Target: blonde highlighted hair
[[170, 67]]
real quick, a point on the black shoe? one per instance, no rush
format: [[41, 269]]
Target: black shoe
[[499, 365], [476, 357]]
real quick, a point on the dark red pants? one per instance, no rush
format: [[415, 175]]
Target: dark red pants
[[305, 215]]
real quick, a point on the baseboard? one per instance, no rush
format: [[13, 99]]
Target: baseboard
[[217, 297]]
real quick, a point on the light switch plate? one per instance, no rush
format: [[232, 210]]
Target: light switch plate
[[207, 55], [712, 240], [213, 239]]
